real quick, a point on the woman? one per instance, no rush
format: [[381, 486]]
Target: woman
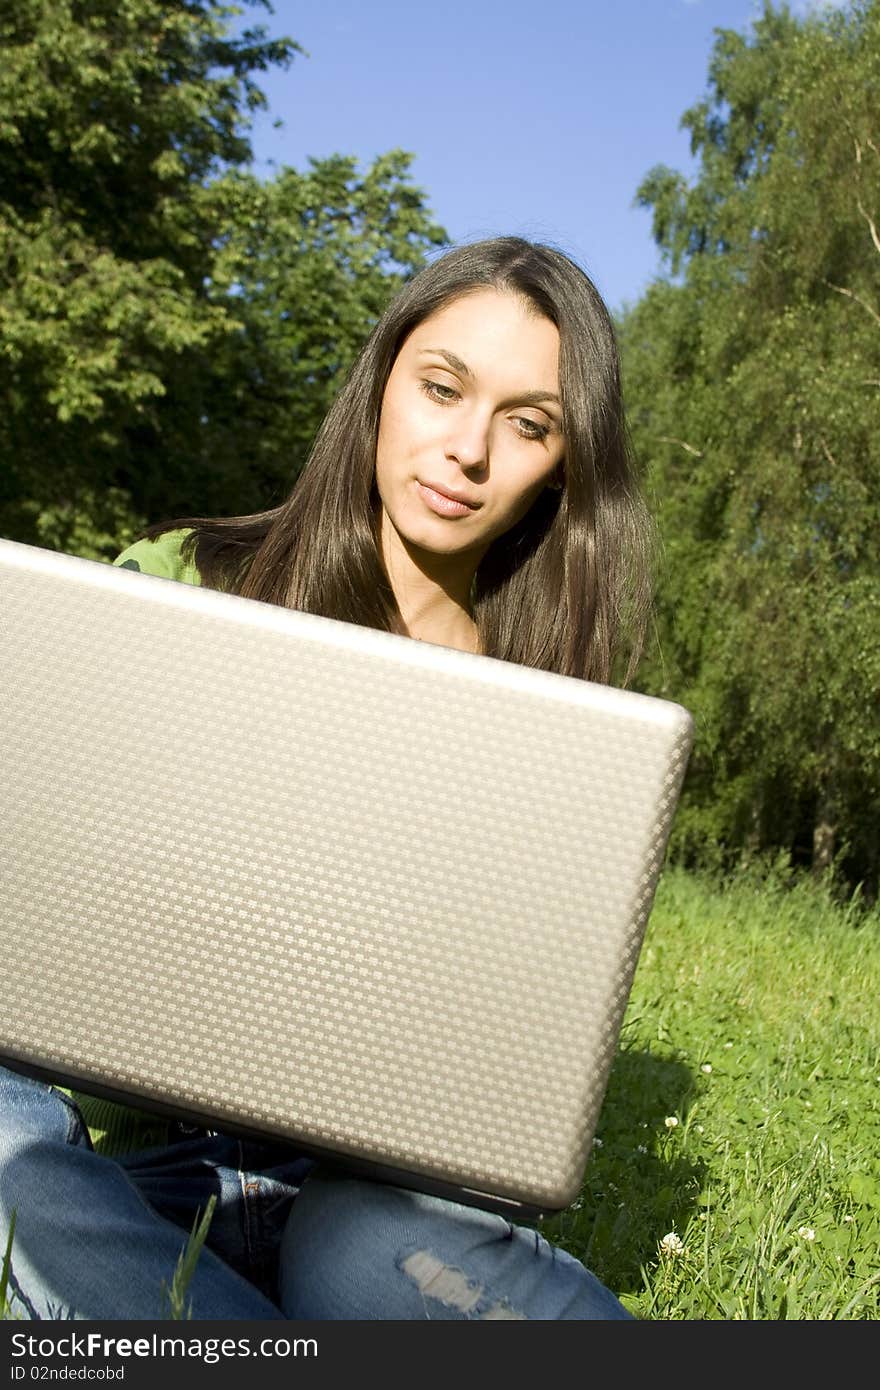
[[471, 486]]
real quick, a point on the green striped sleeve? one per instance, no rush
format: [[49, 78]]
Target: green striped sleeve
[[161, 557]]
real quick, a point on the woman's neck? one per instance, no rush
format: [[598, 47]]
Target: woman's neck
[[445, 628], [433, 595]]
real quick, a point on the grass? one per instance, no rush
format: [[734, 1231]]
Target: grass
[[736, 1169], [174, 1298], [736, 1173], [4, 1270]]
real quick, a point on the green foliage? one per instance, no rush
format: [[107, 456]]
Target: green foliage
[[308, 263], [97, 524], [171, 328], [752, 376], [116, 123], [735, 1175]]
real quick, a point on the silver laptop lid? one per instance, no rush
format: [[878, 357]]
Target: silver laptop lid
[[378, 897]]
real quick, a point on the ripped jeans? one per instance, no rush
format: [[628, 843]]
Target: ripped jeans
[[99, 1238]]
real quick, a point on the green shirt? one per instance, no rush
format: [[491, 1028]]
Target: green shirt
[[161, 556], [118, 1129]]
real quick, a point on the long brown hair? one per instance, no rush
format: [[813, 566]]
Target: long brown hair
[[567, 589]]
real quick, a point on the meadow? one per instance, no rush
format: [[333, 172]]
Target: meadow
[[735, 1170]]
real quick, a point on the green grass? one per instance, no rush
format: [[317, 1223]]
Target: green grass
[[4, 1270], [174, 1299], [741, 1125], [742, 1118]]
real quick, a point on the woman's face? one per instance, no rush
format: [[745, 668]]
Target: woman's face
[[470, 430]]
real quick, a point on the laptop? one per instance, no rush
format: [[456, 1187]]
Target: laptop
[[286, 876]]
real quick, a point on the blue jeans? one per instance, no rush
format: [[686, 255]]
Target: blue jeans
[[96, 1237]]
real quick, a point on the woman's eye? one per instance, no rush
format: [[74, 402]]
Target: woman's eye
[[438, 391], [530, 429]]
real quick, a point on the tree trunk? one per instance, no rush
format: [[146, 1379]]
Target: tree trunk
[[825, 825], [824, 840]]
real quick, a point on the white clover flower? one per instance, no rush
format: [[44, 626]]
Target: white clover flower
[[643, 1149], [707, 1068], [806, 1233], [700, 1129], [597, 1143], [671, 1122], [849, 1218], [671, 1245], [727, 1046]]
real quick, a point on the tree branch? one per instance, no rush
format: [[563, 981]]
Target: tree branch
[[871, 224], [850, 294], [827, 452], [670, 439], [870, 221]]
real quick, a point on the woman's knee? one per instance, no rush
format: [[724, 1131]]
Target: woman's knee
[[38, 1124], [362, 1250], [33, 1110]]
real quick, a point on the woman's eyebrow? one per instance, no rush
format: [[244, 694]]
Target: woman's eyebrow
[[525, 398], [455, 362], [537, 397]]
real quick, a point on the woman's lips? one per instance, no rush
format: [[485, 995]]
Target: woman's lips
[[442, 505]]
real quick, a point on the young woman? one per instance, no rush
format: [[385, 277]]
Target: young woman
[[472, 486]]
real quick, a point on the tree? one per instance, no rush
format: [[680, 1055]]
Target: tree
[[307, 265], [753, 373], [116, 122], [170, 327]]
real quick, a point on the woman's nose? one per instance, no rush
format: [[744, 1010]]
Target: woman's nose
[[468, 439]]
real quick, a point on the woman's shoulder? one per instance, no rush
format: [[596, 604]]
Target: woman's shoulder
[[161, 556]]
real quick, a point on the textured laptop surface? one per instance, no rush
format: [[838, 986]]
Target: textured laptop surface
[[378, 897]]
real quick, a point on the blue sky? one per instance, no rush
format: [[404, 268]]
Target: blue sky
[[536, 117]]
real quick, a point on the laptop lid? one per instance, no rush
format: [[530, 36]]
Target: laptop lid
[[298, 878]]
